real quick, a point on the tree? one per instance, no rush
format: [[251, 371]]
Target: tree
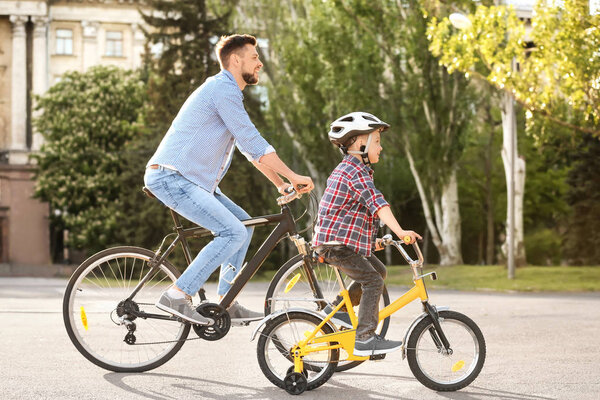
[[552, 68], [329, 58], [86, 120]]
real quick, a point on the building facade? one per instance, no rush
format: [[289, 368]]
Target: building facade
[[39, 42]]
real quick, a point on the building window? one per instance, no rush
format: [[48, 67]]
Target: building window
[[64, 41], [114, 43]]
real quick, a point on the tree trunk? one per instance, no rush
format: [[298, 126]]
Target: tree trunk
[[509, 129], [445, 229], [451, 232]]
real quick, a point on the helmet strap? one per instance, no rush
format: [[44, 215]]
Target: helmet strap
[[364, 151]]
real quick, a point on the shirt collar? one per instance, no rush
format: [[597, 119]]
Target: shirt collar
[[229, 75], [350, 159]]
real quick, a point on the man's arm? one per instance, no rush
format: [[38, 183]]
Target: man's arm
[[274, 163], [272, 176]]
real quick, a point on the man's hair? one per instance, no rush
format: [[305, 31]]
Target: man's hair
[[229, 44]]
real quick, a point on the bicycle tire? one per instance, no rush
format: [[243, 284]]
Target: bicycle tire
[[461, 367], [90, 310], [330, 288], [285, 330]]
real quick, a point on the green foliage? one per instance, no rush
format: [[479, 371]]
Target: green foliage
[[87, 119], [562, 69], [543, 247], [583, 234]]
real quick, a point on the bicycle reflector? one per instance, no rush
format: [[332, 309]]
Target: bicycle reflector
[[458, 366], [292, 282], [84, 318]]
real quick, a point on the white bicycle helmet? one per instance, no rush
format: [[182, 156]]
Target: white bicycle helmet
[[351, 125]]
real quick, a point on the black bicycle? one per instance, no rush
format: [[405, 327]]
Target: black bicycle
[[109, 311]]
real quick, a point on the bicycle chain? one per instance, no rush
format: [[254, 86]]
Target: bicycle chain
[[162, 342]]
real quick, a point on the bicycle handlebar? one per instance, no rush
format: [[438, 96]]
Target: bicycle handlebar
[[387, 241], [291, 195]]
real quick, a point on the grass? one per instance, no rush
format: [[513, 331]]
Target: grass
[[494, 278]]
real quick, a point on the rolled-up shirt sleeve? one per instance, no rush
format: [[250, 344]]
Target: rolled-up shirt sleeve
[[368, 194], [230, 106]]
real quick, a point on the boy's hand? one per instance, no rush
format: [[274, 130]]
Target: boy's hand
[[379, 244], [412, 234]]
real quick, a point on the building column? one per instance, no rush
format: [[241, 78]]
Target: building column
[[40, 69], [138, 39], [90, 44], [18, 146]]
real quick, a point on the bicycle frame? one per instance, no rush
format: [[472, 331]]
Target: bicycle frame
[[286, 226], [345, 339]]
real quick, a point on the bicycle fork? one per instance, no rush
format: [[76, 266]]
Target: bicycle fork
[[436, 332]]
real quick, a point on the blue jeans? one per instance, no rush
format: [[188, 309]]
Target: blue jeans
[[213, 211]]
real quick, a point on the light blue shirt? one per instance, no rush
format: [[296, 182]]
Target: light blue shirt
[[199, 143]]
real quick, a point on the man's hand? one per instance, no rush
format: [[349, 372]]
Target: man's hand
[[306, 181], [282, 187], [379, 244]]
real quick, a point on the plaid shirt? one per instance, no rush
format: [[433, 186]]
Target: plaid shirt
[[348, 209]]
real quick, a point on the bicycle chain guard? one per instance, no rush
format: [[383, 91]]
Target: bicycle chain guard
[[221, 325]]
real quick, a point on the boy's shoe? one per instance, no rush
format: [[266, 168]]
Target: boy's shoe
[[339, 318], [241, 315], [182, 308], [375, 345]]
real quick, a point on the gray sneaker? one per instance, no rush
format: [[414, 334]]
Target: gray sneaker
[[182, 308], [240, 314], [375, 345], [339, 318]]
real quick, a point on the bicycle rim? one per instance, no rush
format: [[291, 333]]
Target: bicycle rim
[[278, 339], [453, 369], [92, 316]]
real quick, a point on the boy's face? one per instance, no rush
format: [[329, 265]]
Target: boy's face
[[375, 147]]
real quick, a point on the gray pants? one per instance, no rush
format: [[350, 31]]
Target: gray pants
[[368, 274]]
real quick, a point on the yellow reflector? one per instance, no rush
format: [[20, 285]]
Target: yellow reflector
[[292, 282], [307, 333], [458, 366], [84, 318]]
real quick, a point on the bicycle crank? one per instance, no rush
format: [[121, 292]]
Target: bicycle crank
[[221, 325]]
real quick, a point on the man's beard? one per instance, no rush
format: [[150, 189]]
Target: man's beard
[[249, 78]]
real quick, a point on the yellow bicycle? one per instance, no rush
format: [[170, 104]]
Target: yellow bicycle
[[298, 349]]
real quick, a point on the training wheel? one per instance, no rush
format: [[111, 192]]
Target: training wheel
[[221, 325], [291, 369], [295, 383]]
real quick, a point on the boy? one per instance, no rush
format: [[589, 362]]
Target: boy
[[349, 215]]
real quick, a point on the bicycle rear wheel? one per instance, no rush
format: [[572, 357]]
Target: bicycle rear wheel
[[94, 302], [441, 371], [278, 338], [291, 287]]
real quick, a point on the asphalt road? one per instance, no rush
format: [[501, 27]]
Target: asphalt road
[[539, 347]]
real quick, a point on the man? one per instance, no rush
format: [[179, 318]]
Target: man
[[191, 160]]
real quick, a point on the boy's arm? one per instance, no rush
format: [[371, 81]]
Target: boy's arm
[[386, 215]]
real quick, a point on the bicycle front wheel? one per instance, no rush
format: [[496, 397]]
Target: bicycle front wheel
[[446, 371], [96, 314], [295, 285]]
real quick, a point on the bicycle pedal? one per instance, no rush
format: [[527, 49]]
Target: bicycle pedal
[[377, 357]]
